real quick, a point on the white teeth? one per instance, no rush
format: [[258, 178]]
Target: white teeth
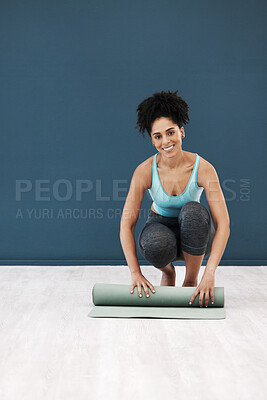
[[167, 148]]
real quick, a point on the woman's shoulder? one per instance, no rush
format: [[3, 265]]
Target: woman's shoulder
[[145, 171], [192, 156], [205, 168]]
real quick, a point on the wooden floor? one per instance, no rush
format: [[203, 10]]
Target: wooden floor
[[50, 349]]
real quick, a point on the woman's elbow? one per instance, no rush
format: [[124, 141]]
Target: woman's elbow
[[224, 227], [126, 225]]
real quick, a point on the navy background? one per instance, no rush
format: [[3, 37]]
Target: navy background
[[72, 74]]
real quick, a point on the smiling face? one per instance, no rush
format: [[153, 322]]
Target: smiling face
[[166, 136]]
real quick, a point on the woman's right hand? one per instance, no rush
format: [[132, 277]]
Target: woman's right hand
[[139, 280]]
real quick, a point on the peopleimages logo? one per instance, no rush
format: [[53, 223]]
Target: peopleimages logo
[[64, 190]]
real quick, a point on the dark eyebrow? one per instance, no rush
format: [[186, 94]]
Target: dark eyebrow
[[156, 133]]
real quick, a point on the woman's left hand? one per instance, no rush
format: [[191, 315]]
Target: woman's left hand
[[206, 287]]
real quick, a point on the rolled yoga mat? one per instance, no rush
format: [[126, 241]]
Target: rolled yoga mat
[[116, 301]]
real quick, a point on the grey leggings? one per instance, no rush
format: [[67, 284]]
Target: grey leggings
[[162, 239]]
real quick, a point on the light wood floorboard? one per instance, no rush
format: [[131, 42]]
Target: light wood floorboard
[[51, 350]]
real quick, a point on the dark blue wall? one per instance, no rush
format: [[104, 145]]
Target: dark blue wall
[[72, 74]]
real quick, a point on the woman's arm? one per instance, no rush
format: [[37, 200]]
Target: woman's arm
[[218, 246], [130, 216], [219, 213], [128, 222], [129, 248], [210, 181]]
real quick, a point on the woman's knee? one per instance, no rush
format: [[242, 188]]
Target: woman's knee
[[157, 243], [194, 221], [194, 213]]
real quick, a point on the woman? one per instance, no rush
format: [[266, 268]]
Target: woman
[[178, 226]]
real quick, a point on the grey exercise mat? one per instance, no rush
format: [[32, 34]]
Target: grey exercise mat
[[116, 301]]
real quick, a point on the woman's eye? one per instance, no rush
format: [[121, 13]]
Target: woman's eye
[[168, 132]]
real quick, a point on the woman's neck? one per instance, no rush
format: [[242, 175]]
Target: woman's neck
[[175, 161]]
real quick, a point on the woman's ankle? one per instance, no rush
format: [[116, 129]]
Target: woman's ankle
[[189, 283], [169, 269]]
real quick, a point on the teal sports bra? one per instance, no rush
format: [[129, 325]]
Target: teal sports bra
[[170, 206]]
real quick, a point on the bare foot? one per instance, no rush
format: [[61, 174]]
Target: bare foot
[[168, 278]]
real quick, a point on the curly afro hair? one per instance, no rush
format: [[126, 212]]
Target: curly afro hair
[[161, 104]]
